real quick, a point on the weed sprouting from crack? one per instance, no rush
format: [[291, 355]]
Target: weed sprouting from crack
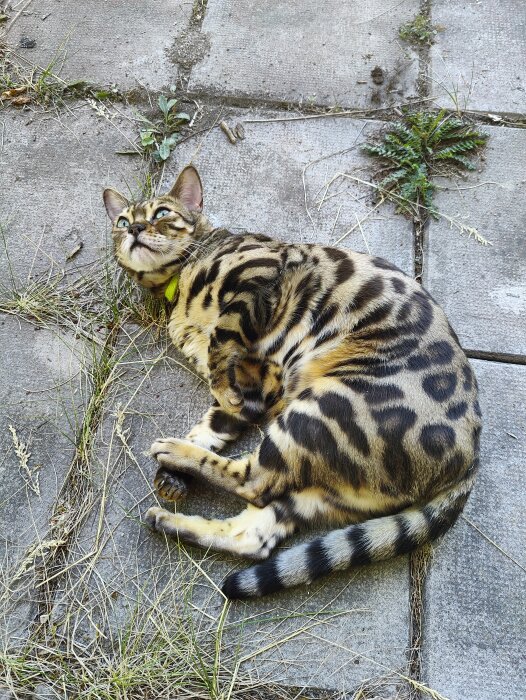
[[199, 9], [88, 306], [48, 301], [159, 136], [418, 148], [420, 31]]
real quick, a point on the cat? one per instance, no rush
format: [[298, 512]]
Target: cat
[[371, 406]]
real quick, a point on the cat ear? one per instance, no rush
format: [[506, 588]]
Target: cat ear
[[188, 189], [114, 202]]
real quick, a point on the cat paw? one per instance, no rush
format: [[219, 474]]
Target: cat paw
[[230, 398], [154, 517], [204, 437], [175, 455], [169, 486], [165, 447]]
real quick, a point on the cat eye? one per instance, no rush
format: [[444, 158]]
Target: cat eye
[[122, 222], [161, 212]]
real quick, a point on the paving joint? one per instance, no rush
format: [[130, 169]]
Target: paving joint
[[418, 565], [387, 114], [189, 47], [488, 356], [66, 518], [419, 560]]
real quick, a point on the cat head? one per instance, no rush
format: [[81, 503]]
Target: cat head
[[153, 238]]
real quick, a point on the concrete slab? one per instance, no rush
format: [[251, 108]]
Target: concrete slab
[[42, 395], [286, 179], [333, 634], [478, 60], [483, 289], [103, 42], [475, 617], [54, 169], [333, 53]]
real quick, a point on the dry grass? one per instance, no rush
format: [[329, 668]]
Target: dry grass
[[23, 83]]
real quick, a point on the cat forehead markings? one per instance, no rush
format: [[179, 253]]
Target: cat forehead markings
[[148, 208]]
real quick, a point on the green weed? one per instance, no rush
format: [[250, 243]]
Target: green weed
[[160, 137], [419, 31], [413, 151]]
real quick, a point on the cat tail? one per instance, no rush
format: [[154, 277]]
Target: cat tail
[[373, 540]]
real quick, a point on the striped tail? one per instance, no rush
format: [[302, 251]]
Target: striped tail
[[373, 540]]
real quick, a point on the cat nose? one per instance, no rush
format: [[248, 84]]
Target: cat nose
[[135, 229]]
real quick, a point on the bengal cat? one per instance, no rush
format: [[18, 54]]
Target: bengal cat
[[371, 405]]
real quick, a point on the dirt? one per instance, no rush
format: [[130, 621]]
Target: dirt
[[378, 75]]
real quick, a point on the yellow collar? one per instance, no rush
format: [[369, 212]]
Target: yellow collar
[[171, 289]]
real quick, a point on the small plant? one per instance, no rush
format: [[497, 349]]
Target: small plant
[[413, 151], [159, 138], [419, 31]]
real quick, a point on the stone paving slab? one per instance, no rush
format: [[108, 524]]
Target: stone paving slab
[[258, 184], [308, 52], [479, 55], [363, 628], [54, 169], [475, 617], [42, 399], [483, 289], [117, 42]]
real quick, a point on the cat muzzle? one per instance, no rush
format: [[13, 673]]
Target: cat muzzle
[[136, 229]]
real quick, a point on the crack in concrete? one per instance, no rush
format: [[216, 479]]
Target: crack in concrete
[[190, 46], [489, 356], [74, 499], [418, 561]]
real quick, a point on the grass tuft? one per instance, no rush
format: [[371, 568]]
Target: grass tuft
[[22, 84]]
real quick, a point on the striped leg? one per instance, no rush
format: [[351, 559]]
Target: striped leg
[[182, 456], [259, 478], [253, 533], [215, 429]]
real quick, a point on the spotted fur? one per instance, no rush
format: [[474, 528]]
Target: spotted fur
[[371, 405]]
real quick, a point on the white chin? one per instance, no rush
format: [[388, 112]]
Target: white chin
[[147, 260], [142, 259]]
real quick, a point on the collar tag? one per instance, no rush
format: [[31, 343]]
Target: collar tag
[[171, 289]]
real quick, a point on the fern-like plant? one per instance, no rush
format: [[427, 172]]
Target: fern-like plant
[[412, 151]]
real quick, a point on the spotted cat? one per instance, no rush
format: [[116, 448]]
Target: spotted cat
[[371, 405]]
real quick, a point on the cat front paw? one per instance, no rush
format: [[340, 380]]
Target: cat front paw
[[174, 454], [153, 518], [164, 446]]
